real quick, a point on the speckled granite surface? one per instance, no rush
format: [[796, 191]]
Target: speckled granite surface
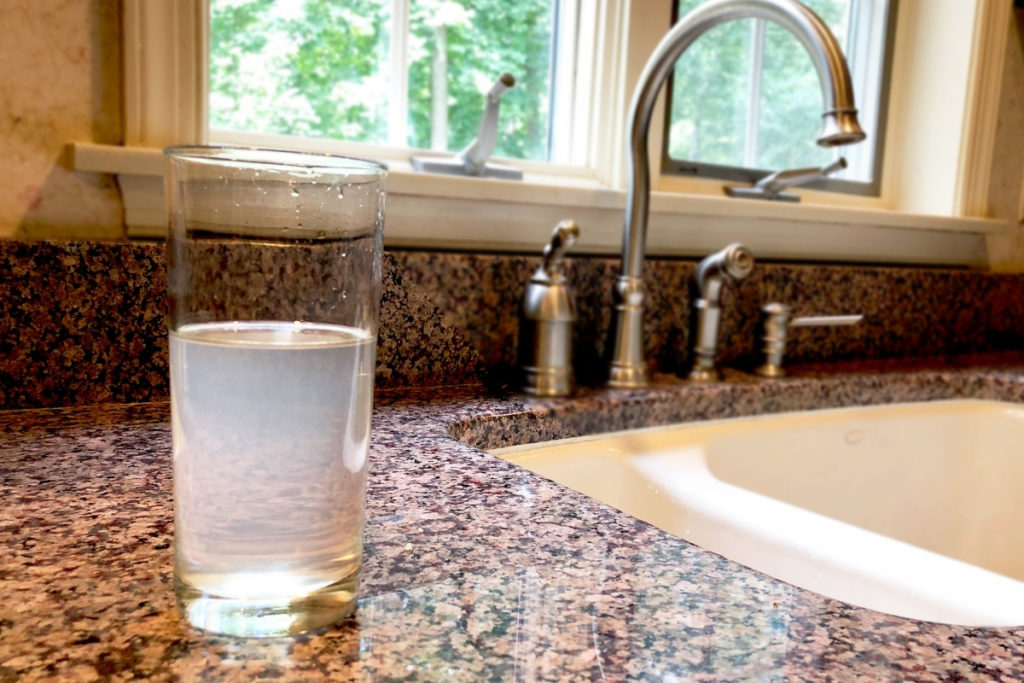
[[85, 321], [907, 311], [81, 323], [475, 570]]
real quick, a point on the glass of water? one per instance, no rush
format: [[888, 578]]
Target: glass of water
[[274, 275]]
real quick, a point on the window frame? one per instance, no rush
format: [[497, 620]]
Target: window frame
[[741, 174], [570, 155], [164, 49]]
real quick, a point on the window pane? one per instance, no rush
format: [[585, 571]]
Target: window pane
[[710, 94], [474, 42], [323, 69], [316, 68], [791, 104], [743, 102]]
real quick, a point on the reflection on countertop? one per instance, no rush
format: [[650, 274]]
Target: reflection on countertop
[[474, 568]]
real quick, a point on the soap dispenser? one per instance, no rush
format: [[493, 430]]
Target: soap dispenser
[[546, 321]]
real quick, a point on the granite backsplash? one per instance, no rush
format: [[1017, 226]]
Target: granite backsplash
[[83, 322]]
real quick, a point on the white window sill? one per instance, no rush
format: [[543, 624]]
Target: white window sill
[[435, 211]]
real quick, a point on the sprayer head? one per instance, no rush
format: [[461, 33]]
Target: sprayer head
[[840, 127], [737, 262], [732, 264]]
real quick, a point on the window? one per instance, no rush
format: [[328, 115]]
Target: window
[[745, 99], [397, 73]]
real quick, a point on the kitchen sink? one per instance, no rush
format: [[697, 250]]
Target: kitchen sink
[[913, 509]]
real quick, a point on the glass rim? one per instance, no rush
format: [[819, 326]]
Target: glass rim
[[274, 157]]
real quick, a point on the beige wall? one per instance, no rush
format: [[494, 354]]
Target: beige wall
[[60, 79]]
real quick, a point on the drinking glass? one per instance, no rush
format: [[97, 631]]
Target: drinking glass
[[274, 276]]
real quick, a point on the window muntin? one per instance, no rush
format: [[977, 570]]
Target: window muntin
[[746, 101], [402, 73]]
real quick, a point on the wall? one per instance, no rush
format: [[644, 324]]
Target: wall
[[931, 72], [60, 81]]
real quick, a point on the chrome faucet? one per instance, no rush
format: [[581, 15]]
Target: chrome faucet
[[732, 264], [839, 127]]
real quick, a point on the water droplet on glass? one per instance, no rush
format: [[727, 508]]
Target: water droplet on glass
[[341, 192], [320, 234], [344, 294]]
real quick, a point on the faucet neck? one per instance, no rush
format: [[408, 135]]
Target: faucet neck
[[809, 29]]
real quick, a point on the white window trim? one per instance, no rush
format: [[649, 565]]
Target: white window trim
[[990, 35], [165, 71], [165, 94]]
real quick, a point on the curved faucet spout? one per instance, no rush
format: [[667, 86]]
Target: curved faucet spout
[[839, 127]]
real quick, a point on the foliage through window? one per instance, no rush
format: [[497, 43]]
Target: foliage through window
[[746, 95], [403, 73]]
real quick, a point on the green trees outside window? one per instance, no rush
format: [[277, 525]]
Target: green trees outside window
[[323, 69], [745, 95]]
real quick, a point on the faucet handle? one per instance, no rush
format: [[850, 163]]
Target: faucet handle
[[563, 237], [826, 320], [546, 318], [777, 321]]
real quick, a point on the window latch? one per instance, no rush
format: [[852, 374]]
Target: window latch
[[771, 186], [473, 160]]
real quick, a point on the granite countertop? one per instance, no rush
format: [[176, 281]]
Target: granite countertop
[[474, 569]]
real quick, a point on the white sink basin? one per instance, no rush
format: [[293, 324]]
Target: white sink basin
[[913, 509]]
